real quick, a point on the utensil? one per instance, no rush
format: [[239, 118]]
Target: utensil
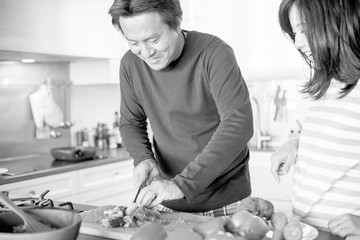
[[132, 208], [137, 193], [30, 223]]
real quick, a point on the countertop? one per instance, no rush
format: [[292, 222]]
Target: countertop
[[43, 164], [321, 236]]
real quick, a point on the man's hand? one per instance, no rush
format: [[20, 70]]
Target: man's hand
[[284, 158], [158, 191], [345, 225], [145, 172]]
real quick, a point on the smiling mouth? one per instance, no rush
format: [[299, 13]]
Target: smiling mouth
[[153, 60]]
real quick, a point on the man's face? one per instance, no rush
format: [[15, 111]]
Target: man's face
[[152, 40]]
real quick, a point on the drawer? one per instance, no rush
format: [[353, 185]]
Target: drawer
[[105, 176], [60, 185]]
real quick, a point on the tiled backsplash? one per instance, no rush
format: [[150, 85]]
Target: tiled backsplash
[[90, 104]]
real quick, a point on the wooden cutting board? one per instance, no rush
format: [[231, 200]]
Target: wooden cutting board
[[124, 233]]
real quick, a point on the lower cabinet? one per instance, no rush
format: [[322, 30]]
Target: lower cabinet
[[63, 187], [100, 185], [264, 184], [108, 184]]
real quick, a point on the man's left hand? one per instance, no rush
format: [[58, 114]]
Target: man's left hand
[[158, 191]]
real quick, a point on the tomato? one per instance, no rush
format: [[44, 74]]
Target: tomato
[[255, 228], [293, 230], [239, 218], [209, 226], [221, 235], [150, 231], [248, 225], [279, 220], [184, 233]]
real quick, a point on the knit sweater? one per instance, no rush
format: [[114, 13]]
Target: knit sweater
[[200, 114]]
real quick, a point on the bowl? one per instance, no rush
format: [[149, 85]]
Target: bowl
[[73, 153], [66, 222]]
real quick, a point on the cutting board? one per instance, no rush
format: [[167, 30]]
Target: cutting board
[[124, 233]]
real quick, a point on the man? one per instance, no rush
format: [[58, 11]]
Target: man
[[190, 88]]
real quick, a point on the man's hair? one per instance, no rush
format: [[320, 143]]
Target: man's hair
[[169, 10]]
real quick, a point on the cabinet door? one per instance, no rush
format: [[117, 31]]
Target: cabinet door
[[108, 184], [69, 28], [264, 184], [62, 187], [107, 71]]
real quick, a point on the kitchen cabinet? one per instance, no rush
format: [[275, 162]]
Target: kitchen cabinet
[[108, 184], [264, 184], [95, 71], [63, 187], [68, 28], [100, 185]]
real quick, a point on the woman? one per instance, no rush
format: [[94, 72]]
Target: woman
[[326, 190]]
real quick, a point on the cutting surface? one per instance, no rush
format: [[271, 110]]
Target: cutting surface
[[124, 233]]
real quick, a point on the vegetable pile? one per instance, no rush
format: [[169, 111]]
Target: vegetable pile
[[255, 220]]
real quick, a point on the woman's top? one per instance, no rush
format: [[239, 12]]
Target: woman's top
[[200, 115], [327, 175]]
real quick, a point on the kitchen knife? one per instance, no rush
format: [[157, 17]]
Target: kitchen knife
[[138, 191], [131, 209]]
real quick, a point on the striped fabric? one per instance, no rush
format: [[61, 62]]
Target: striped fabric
[[224, 211], [327, 175]]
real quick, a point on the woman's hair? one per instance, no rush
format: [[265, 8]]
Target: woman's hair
[[169, 10], [332, 30]]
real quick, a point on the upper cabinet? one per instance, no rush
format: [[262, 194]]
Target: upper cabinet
[[71, 28], [95, 71]]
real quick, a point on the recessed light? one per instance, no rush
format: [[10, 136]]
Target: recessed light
[[28, 60]]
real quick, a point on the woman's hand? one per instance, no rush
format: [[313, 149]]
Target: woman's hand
[[158, 191], [145, 172], [284, 158], [345, 225]]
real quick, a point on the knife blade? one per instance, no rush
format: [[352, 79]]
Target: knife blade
[[138, 191]]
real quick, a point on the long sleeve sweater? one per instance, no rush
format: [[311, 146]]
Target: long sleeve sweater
[[200, 114]]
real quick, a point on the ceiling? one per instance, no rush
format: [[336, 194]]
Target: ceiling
[[6, 56]]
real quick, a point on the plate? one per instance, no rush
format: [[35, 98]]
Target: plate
[[3, 170], [309, 232]]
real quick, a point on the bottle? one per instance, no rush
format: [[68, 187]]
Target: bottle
[[116, 130]]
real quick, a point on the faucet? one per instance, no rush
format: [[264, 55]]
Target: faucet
[[259, 136]]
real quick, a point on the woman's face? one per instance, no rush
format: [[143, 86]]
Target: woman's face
[[298, 27], [152, 40]]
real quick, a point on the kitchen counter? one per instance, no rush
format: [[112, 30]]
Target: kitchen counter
[[43, 164], [321, 236]]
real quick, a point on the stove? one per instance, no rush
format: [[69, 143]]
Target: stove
[[39, 202]]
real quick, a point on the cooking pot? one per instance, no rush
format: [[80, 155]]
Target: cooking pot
[[67, 224], [73, 153]]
